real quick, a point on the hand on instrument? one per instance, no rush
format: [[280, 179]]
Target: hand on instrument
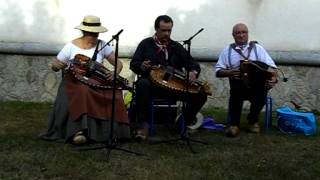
[[109, 75], [234, 73], [80, 71], [56, 65], [192, 76], [146, 65], [273, 79], [270, 84]]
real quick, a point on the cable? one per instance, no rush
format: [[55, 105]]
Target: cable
[[284, 79]]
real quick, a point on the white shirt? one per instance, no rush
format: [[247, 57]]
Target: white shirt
[[69, 51], [235, 57]]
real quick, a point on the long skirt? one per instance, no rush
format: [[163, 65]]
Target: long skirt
[[62, 126]]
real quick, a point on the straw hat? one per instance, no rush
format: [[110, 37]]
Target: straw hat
[[91, 24]]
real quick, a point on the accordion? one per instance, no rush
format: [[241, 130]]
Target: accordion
[[255, 74]]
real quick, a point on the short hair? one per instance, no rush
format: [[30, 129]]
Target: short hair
[[237, 25], [164, 18]]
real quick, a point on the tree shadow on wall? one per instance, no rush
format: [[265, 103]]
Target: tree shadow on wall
[[38, 25], [216, 17]]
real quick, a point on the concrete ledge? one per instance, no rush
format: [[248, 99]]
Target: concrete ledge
[[308, 58]]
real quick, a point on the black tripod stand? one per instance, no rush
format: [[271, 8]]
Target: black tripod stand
[[112, 140], [184, 135]]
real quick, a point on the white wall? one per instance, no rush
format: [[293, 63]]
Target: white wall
[[282, 25]]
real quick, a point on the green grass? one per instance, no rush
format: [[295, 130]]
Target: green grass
[[269, 155]]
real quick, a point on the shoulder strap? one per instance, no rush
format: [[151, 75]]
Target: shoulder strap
[[229, 53], [94, 57], [233, 46], [252, 44]]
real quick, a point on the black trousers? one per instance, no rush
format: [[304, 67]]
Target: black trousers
[[239, 92], [146, 90]]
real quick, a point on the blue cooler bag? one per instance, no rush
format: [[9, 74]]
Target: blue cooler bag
[[292, 122]]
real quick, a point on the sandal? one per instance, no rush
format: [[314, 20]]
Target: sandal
[[79, 138], [142, 134]]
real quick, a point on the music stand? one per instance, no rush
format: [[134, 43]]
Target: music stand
[[112, 140], [184, 136]]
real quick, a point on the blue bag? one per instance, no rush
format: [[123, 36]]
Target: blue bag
[[209, 123], [292, 122]]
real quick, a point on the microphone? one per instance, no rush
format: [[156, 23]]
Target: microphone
[[118, 33], [188, 41], [285, 79], [200, 30]]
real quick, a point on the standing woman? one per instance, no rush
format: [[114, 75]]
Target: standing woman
[[82, 113]]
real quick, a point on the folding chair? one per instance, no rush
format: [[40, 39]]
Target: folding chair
[[267, 114], [171, 107]]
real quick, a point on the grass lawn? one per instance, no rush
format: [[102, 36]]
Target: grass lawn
[[269, 155]]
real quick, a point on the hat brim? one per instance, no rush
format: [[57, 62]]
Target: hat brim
[[94, 29]]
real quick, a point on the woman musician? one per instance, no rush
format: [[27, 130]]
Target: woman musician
[[82, 113]]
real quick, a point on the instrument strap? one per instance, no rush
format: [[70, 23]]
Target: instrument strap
[[94, 57], [251, 46]]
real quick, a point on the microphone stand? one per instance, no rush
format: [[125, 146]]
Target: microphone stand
[[184, 136], [188, 41], [112, 141]]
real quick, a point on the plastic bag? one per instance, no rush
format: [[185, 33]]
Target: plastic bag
[[294, 122], [209, 123]]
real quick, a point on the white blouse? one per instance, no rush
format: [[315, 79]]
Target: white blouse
[[69, 51]]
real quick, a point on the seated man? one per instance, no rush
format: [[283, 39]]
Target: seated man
[[256, 90], [161, 50]]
